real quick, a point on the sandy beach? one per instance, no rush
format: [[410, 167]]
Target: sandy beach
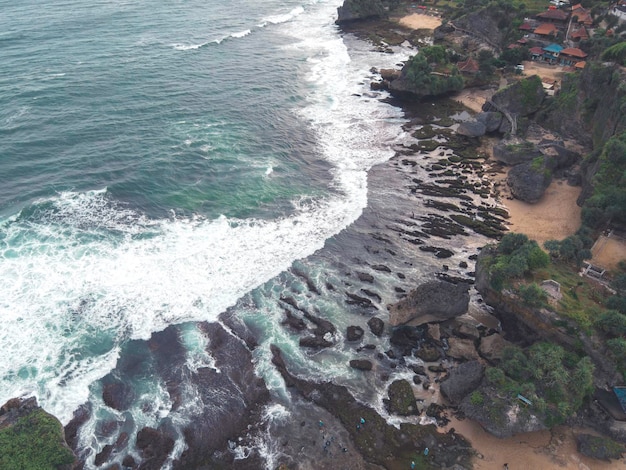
[[542, 450], [555, 217], [420, 21]]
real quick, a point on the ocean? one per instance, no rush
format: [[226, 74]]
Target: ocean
[[165, 162]]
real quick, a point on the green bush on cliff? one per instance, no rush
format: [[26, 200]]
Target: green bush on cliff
[[608, 202], [34, 442], [616, 53], [516, 256], [547, 375], [431, 73]]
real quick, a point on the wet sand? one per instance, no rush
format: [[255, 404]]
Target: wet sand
[[541, 450]]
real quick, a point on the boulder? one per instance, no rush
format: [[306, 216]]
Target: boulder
[[491, 120], [499, 415], [491, 347], [428, 353], [354, 10], [462, 380], [376, 326], [528, 181], [390, 74], [361, 364], [520, 99], [462, 349], [434, 332], [154, 446], [401, 398], [116, 394], [515, 151], [601, 448], [314, 342], [471, 128], [560, 156], [435, 300], [406, 338], [354, 333]]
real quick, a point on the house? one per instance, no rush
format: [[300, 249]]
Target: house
[[546, 31], [469, 66], [551, 53], [557, 17], [579, 34], [581, 16], [535, 53], [526, 27], [571, 55], [580, 65]]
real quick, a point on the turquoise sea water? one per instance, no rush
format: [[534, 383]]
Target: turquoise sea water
[[162, 162]]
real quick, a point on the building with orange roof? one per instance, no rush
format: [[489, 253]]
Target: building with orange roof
[[571, 55], [546, 31], [579, 34]]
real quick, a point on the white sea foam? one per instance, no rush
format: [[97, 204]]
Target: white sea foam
[[240, 34], [190, 47], [282, 18]]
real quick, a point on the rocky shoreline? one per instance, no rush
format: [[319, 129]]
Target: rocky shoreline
[[433, 341]]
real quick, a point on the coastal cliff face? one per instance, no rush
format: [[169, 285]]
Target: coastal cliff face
[[354, 10]]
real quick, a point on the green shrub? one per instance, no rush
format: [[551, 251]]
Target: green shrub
[[34, 442], [532, 295], [476, 398]]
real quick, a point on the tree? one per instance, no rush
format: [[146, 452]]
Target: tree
[[616, 53], [612, 323], [533, 295]]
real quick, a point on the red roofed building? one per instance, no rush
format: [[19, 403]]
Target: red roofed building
[[558, 17], [525, 27], [535, 52], [581, 15], [579, 34], [546, 31], [571, 55]]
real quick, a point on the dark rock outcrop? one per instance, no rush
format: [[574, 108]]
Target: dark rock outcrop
[[601, 448], [376, 326], [520, 99], [116, 394], [528, 181], [492, 120], [462, 349], [221, 419], [500, 417], [435, 300], [401, 399], [354, 333], [354, 10], [472, 128], [154, 446], [379, 443], [515, 151], [462, 380], [361, 364], [491, 347]]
